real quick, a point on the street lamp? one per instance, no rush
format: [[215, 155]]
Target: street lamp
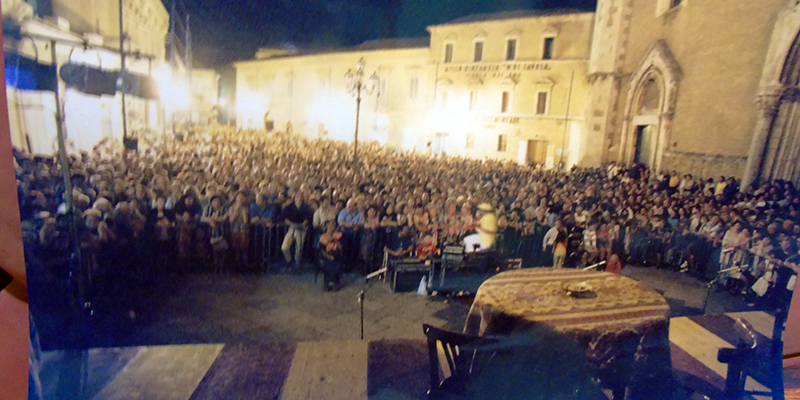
[[356, 85]]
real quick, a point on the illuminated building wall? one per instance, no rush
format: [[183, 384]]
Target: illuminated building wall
[[87, 119], [503, 83], [146, 22], [309, 91], [204, 95], [511, 104], [676, 84]]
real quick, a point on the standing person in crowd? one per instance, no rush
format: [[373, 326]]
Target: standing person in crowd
[[550, 241], [560, 248], [239, 217], [188, 213], [369, 239], [216, 216], [163, 225], [298, 217], [351, 221]]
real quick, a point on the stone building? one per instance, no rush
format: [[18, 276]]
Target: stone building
[[674, 84], [308, 91], [146, 22], [71, 23], [204, 95], [486, 86], [503, 82]]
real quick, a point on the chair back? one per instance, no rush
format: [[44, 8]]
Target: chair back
[[462, 356]]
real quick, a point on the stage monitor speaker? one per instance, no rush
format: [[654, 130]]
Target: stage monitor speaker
[[407, 274]]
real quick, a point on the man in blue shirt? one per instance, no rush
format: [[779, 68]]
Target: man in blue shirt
[[350, 221], [262, 212]]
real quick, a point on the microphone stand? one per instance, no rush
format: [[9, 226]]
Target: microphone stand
[[379, 273], [714, 281]]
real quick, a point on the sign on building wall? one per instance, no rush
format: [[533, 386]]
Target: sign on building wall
[[499, 67]]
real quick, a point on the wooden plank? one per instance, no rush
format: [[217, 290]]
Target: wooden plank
[[762, 322], [328, 370], [162, 372], [703, 345]]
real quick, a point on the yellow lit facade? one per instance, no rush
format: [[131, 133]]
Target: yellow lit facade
[[437, 98], [204, 95], [695, 86], [309, 93], [503, 84], [146, 22]]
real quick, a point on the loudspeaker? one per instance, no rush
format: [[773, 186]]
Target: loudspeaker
[[407, 274]]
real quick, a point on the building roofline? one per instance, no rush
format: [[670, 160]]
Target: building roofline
[[369, 46], [510, 15]]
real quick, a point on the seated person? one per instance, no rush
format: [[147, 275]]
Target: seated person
[[400, 244], [486, 231], [331, 246], [427, 246]]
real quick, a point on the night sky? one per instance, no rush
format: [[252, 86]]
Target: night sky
[[229, 30]]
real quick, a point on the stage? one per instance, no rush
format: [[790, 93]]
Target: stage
[[252, 337]]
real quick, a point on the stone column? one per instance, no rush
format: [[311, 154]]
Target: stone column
[[768, 103]]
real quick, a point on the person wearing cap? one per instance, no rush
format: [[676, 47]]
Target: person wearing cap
[[486, 230]]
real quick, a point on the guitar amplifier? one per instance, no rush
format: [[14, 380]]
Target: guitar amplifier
[[453, 253], [467, 274], [407, 273]]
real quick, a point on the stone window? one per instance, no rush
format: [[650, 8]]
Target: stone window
[[505, 104], [502, 143], [478, 51], [511, 49], [664, 6], [448, 53], [414, 88], [541, 103], [547, 52]]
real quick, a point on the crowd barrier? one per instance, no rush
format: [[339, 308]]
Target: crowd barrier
[[139, 263], [635, 246]]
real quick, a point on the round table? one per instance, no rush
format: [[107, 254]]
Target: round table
[[622, 324]]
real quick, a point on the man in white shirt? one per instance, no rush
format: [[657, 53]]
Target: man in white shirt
[[550, 237]]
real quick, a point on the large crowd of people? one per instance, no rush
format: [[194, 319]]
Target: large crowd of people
[[225, 199]]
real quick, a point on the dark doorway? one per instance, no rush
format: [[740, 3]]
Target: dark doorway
[[537, 152], [645, 145]]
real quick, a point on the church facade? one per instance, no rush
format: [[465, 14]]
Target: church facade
[[675, 84]]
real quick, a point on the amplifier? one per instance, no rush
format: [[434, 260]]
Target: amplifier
[[406, 274], [453, 250]]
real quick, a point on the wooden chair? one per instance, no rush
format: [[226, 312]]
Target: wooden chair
[[741, 361], [539, 365], [463, 358]]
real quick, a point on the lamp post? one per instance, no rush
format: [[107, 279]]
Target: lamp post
[[356, 85]]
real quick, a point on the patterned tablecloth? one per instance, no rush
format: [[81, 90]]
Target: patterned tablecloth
[[621, 320]]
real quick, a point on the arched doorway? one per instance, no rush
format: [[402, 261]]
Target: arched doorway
[[783, 139], [646, 121], [650, 107]]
